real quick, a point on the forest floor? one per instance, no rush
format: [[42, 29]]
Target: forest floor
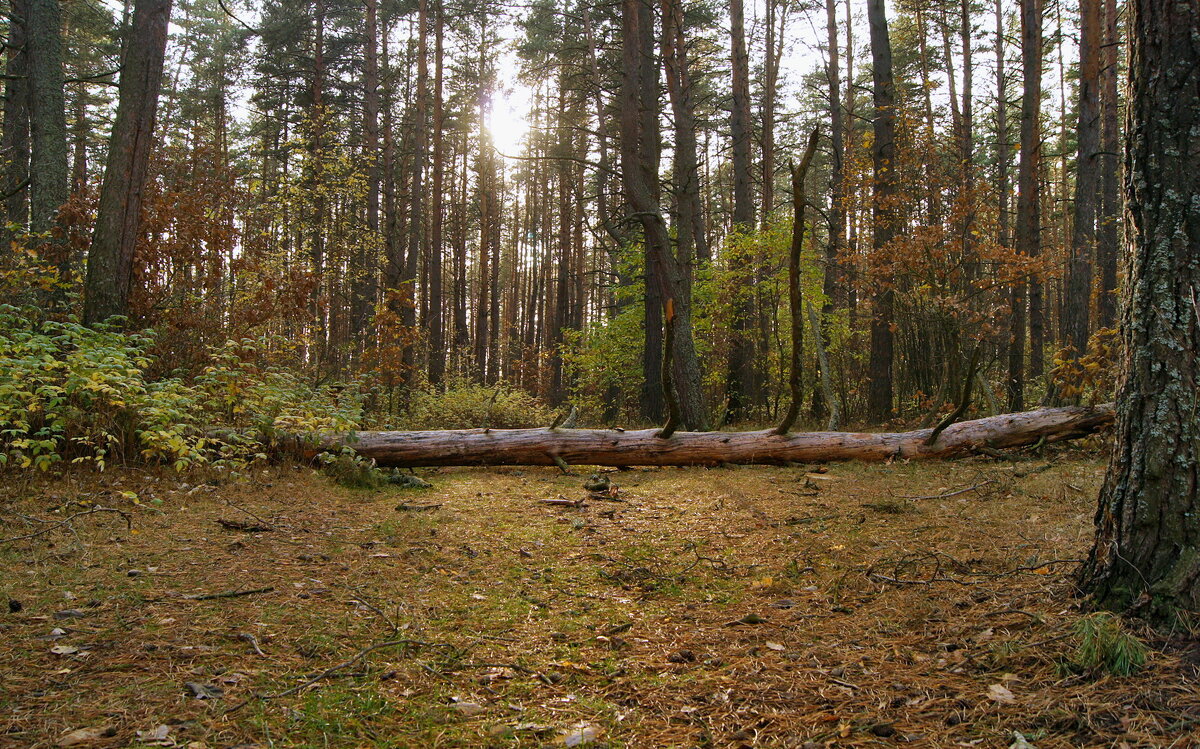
[[854, 605]]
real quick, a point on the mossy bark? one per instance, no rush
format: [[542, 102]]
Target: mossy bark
[[1146, 555]]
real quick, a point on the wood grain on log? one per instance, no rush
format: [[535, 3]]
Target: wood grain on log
[[610, 447]]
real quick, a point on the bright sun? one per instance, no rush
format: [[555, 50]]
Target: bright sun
[[508, 123]]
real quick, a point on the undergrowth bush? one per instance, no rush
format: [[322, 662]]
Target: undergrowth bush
[[72, 393], [1105, 645], [463, 404]]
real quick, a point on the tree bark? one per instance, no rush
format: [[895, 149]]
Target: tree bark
[[639, 138], [47, 113], [118, 216], [740, 382], [1109, 221], [1002, 145], [416, 214], [49, 186], [1083, 242], [1028, 240], [795, 293], [1146, 553], [364, 278], [883, 210], [836, 215], [436, 322], [691, 232], [621, 448], [15, 142]]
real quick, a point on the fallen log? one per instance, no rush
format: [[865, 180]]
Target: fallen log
[[615, 447]]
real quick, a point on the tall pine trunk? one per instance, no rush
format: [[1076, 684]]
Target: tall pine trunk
[[639, 137], [1146, 555], [1028, 240], [740, 383], [1109, 220], [49, 185], [118, 215], [364, 282], [15, 143], [1083, 239], [436, 321], [416, 186], [883, 210]]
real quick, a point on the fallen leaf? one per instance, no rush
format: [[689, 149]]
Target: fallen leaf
[[774, 645], [203, 691], [64, 650], [1000, 693], [582, 735], [469, 709], [160, 735], [81, 736], [1020, 742]]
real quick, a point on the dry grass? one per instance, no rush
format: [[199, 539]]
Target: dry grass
[[740, 607]]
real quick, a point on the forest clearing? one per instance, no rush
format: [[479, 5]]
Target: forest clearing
[[652, 373], [928, 604]]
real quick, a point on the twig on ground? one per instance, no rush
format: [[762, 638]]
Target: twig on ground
[[238, 525], [228, 594], [992, 452], [334, 669], [1032, 471], [953, 493], [253, 642], [563, 501], [406, 507], [361, 600], [53, 525], [239, 508]]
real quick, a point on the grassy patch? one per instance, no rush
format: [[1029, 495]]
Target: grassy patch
[[708, 607]]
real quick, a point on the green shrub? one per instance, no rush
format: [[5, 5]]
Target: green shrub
[[465, 405], [351, 470], [81, 394]]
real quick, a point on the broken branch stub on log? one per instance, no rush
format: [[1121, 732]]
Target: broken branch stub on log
[[643, 448]]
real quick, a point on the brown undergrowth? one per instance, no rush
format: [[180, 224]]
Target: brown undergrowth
[[865, 605]]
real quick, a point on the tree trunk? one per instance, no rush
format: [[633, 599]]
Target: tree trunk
[[1002, 146], [15, 143], [772, 53], [643, 447], [436, 321], [691, 231], [118, 216], [795, 293], [967, 143], [363, 281], [1083, 242], [883, 210], [416, 209], [49, 186], [1028, 239], [836, 196], [740, 385], [1109, 220], [1146, 555], [315, 183], [639, 138]]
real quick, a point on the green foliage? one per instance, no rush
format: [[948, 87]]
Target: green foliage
[[349, 469], [606, 358], [1105, 645], [73, 393], [463, 404]]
